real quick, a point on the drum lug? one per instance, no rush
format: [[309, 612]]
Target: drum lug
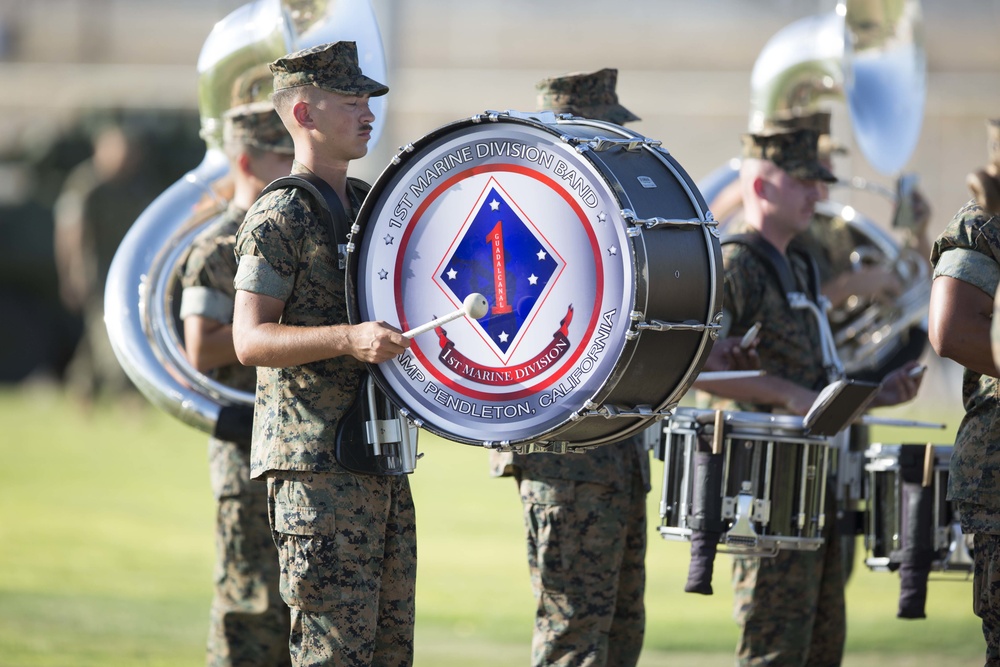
[[559, 447], [658, 325], [397, 158], [632, 144], [652, 223], [614, 411]]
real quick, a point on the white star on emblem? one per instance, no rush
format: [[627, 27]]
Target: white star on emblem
[[503, 336], [388, 239], [383, 274], [452, 274], [494, 205], [541, 254], [612, 250], [532, 279], [601, 217]]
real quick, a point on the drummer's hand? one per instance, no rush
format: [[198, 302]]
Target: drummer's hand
[[375, 342], [728, 355], [898, 386], [799, 400]]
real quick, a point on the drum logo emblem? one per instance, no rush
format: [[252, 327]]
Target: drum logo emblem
[[500, 254]]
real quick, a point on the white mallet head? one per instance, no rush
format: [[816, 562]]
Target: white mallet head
[[474, 306]]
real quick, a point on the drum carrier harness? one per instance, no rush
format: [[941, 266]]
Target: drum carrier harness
[[373, 437], [814, 301]]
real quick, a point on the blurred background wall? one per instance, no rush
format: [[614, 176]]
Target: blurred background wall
[[684, 67]]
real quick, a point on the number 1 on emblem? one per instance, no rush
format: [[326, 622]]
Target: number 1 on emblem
[[495, 239]]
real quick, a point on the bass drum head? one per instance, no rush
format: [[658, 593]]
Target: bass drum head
[[506, 207]]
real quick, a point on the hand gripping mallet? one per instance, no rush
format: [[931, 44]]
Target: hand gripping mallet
[[474, 306]]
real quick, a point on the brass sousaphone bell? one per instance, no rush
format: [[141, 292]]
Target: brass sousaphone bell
[[141, 291]]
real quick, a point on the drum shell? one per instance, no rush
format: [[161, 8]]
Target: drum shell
[[675, 275], [885, 515]]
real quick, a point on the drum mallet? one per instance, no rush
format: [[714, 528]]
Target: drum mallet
[[474, 306]]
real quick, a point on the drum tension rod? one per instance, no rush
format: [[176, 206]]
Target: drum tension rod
[[657, 325], [599, 144], [615, 411], [630, 218]]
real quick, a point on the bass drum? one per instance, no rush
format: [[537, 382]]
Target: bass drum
[[596, 253]]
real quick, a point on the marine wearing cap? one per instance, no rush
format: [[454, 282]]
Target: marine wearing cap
[[586, 94], [796, 152], [257, 125], [333, 67]]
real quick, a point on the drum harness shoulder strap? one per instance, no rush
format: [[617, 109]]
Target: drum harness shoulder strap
[[359, 441], [329, 202], [814, 301]]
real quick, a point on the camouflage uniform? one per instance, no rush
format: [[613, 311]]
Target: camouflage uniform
[[790, 608], [585, 513], [780, 601], [248, 621], [969, 250], [346, 542]]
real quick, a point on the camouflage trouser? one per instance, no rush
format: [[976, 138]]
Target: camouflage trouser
[[586, 554], [347, 545], [249, 623], [986, 592], [790, 608]]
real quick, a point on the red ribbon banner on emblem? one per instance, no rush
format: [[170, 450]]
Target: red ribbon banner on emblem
[[507, 375]]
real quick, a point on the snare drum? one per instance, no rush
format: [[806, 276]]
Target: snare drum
[[888, 469], [771, 481], [595, 251]]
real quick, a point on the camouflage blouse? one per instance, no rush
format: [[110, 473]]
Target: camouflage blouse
[[790, 344], [285, 252], [208, 286], [969, 250]]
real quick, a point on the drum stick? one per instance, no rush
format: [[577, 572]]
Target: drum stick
[[869, 420], [712, 376], [474, 306], [717, 436], [750, 336], [928, 465]]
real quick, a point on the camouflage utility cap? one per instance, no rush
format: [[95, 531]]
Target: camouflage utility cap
[[332, 67], [818, 121], [587, 94], [256, 125], [795, 152]]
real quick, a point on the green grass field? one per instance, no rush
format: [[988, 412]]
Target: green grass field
[[106, 557]]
